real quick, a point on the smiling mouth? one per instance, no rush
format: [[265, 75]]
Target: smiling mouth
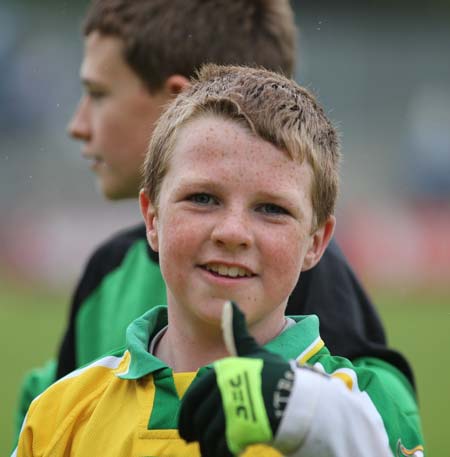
[[228, 272]]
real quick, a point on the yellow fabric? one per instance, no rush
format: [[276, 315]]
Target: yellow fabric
[[95, 413], [311, 351], [182, 382], [345, 378]]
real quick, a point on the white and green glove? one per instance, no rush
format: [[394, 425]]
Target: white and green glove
[[242, 400]]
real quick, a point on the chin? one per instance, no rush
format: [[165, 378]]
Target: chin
[[114, 194], [211, 313]]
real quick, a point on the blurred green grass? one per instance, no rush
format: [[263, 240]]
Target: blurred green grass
[[31, 324], [417, 323]]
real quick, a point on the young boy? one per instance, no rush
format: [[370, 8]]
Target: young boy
[[240, 184], [138, 55]]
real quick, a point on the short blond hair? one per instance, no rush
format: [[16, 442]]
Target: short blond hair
[[273, 107]]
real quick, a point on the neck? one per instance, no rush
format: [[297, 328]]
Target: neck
[[186, 349], [184, 354]]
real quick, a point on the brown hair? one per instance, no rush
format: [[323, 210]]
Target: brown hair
[[166, 37], [273, 107]]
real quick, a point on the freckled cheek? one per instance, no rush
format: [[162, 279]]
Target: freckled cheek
[[286, 260], [177, 249]]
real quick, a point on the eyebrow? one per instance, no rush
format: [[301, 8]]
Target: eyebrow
[[89, 82], [188, 182]]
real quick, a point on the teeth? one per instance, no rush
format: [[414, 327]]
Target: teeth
[[232, 272], [223, 270]]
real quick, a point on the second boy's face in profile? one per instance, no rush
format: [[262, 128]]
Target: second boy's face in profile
[[115, 117], [233, 222]]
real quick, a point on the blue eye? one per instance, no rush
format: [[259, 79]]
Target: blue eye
[[202, 199], [272, 209]]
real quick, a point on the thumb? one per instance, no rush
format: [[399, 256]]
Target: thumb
[[235, 333]]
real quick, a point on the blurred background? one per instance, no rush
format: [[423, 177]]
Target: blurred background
[[381, 69]]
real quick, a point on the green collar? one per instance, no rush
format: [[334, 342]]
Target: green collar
[[290, 344]]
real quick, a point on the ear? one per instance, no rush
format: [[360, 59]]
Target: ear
[[318, 243], [149, 213], [174, 84]]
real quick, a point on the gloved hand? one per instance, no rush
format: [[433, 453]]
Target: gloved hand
[[242, 399]]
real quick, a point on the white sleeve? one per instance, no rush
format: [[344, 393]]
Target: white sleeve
[[324, 418]]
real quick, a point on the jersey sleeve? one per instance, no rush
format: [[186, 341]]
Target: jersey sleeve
[[339, 409], [33, 384], [56, 418]]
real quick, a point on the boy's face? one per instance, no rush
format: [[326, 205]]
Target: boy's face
[[115, 117], [233, 222]]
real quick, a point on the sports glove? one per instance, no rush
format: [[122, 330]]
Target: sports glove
[[240, 401]]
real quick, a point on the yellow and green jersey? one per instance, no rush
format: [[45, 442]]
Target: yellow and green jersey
[[127, 403]]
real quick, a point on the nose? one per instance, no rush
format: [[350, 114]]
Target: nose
[[79, 126], [233, 231]]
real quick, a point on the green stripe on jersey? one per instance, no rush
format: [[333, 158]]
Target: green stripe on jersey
[[166, 404]]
